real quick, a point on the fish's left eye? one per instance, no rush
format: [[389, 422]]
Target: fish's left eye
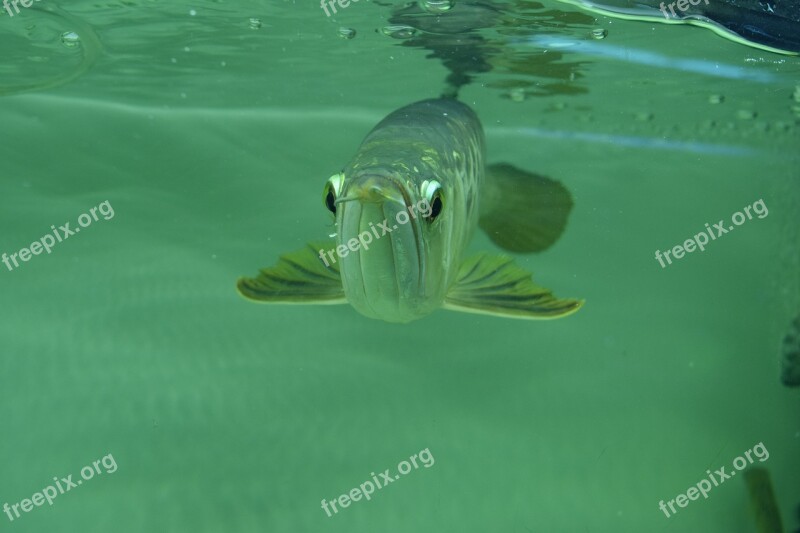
[[332, 189], [433, 196]]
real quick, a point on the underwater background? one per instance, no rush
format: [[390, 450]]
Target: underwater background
[[209, 128]]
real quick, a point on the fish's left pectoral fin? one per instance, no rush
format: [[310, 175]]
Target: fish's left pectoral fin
[[523, 212], [300, 277], [495, 285]]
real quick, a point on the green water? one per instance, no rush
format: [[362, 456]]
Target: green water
[[211, 136]]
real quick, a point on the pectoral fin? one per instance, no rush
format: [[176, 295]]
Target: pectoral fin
[[300, 277], [495, 285], [523, 212]]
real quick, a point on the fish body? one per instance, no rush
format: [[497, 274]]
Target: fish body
[[406, 273], [406, 207]]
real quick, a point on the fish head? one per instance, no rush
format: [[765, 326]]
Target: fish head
[[392, 242]]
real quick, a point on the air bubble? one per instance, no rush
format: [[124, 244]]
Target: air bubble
[[347, 33], [436, 6], [399, 31], [70, 39]]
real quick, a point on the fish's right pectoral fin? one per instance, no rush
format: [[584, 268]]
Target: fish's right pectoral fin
[[300, 277], [495, 285]]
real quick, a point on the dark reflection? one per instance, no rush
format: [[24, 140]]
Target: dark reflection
[[790, 367], [764, 22], [528, 45], [455, 38]]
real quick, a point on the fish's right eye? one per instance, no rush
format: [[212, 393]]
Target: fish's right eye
[[329, 199], [332, 189], [433, 196]]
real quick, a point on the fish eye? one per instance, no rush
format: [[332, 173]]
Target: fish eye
[[436, 205], [434, 196], [332, 189], [329, 198]]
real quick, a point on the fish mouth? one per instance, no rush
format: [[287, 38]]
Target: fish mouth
[[383, 264]]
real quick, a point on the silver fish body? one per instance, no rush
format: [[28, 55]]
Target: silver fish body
[[407, 271]]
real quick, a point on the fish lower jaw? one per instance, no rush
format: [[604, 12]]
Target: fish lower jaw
[[397, 315]]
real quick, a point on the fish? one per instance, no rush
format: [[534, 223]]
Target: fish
[[405, 209]]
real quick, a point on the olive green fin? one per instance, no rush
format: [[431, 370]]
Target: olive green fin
[[300, 277], [523, 212], [495, 285]]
